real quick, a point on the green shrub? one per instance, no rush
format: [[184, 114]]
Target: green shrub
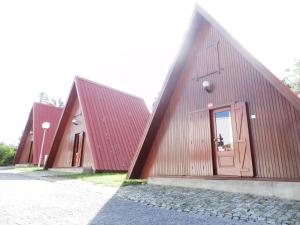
[[7, 155]]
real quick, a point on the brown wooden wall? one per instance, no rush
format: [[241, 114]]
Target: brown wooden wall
[[65, 150], [275, 132], [25, 151]]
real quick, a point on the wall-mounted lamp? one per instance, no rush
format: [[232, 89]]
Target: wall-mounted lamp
[[75, 122], [206, 86], [31, 132]]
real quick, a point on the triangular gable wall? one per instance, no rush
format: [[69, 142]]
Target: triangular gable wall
[[61, 150], [199, 19]]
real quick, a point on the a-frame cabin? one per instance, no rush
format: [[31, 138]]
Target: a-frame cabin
[[221, 115], [100, 129], [30, 145]]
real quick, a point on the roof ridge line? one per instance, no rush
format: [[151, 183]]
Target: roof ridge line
[[107, 87]]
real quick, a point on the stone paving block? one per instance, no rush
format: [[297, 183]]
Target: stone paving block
[[239, 206]]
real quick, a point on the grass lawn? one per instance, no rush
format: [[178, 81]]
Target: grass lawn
[[106, 179]]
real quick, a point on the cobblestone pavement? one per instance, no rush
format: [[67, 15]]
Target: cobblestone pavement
[[235, 206], [123, 212]]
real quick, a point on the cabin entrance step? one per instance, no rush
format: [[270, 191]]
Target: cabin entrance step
[[21, 165], [72, 170], [281, 189]]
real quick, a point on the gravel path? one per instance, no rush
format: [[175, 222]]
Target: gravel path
[[39, 198], [29, 200]]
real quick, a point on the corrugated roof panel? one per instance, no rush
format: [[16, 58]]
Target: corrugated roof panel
[[115, 122]]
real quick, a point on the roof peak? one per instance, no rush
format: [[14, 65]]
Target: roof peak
[[105, 86], [45, 104]]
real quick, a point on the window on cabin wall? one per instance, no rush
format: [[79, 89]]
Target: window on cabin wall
[[207, 60]]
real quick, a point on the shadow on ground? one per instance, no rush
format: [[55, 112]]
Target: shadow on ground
[[118, 211]]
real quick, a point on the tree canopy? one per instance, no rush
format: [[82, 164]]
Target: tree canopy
[[44, 98], [292, 79], [7, 154]]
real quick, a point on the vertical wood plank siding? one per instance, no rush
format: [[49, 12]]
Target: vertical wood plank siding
[[200, 153], [65, 149], [24, 153], [274, 133]]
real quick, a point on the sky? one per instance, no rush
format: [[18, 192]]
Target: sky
[[129, 45]]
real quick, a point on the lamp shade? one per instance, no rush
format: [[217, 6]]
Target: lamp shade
[[46, 125]]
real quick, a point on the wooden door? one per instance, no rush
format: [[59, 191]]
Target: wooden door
[[200, 151], [77, 149], [241, 138], [231, 141], [30, 153], [226, 155]]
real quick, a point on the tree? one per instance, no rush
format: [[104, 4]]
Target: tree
[[53, 101], [7, 154], [292, 79], [44, 98], [61, 104]]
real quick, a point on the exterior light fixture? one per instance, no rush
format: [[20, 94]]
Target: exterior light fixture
[[75, 122], [206, 86], [45, 126], [31, 132]]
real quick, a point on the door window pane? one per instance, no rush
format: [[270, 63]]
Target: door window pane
[[224, 137]]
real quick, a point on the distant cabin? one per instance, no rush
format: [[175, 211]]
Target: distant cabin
[[29, 149], [221, 115], [100, 129]]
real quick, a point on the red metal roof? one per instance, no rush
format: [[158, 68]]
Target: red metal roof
[[114, 120], [40, 113]]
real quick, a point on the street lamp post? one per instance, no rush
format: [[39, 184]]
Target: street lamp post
[[45, 126]]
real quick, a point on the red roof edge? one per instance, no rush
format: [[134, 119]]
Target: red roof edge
[[23, 138]]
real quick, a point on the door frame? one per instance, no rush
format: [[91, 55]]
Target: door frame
[[30, 152], [227, 107], [76, 146], [230, 105]]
